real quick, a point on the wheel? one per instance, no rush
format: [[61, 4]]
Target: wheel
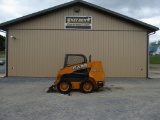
[[87, 86], [64, 86]]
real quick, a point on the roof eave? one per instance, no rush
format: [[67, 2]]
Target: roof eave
[[129, 19], [36, 14], [56, 8]]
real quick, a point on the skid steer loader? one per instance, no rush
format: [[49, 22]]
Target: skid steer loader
[[78, 74]]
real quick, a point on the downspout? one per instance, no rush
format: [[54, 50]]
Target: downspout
[[148, 52], [6, 53]]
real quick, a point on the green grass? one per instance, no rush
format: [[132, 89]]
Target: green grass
[[154, 59], [2, 54]]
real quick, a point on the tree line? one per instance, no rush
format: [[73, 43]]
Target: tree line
[[155, 43], [2, 43]]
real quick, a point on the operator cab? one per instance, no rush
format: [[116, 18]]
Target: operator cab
[[73, 59]]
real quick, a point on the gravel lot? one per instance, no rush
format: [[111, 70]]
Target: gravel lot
[[127, 99]]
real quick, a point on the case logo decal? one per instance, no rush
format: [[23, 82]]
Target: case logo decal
[[78, 67]]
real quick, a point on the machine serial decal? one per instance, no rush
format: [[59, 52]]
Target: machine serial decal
[[97, 70], [78, 67]]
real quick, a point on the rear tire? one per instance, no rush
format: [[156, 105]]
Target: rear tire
[[87, 86], [64, 86]]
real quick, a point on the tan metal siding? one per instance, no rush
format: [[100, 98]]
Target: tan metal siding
[[40, 53], [42, 43], [56, 21]]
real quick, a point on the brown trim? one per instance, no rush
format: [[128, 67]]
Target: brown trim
[[82, 30], [147, 56], [6, 53]]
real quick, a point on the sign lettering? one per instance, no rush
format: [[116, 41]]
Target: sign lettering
[[78, 22]]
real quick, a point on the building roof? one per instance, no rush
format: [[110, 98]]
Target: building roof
[[153, 48], [151, 28]]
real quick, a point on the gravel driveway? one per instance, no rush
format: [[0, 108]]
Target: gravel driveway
[[127, 99]]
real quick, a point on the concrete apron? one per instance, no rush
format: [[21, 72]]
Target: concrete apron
[[2, 75], [154, 74]]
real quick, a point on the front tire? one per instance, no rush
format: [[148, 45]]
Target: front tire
[[64, 86], [87, 86]]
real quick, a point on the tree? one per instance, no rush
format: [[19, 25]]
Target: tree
[[2, 43], [153, 43], [159, 42]]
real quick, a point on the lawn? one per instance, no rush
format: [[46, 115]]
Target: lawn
[[154, 59]]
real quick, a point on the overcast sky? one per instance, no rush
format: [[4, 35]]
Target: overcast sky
[[144, 10]]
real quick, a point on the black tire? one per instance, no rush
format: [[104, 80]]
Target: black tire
[[87, 86], [61, 86]]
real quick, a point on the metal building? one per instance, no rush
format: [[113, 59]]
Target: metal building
[[37, 43]]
